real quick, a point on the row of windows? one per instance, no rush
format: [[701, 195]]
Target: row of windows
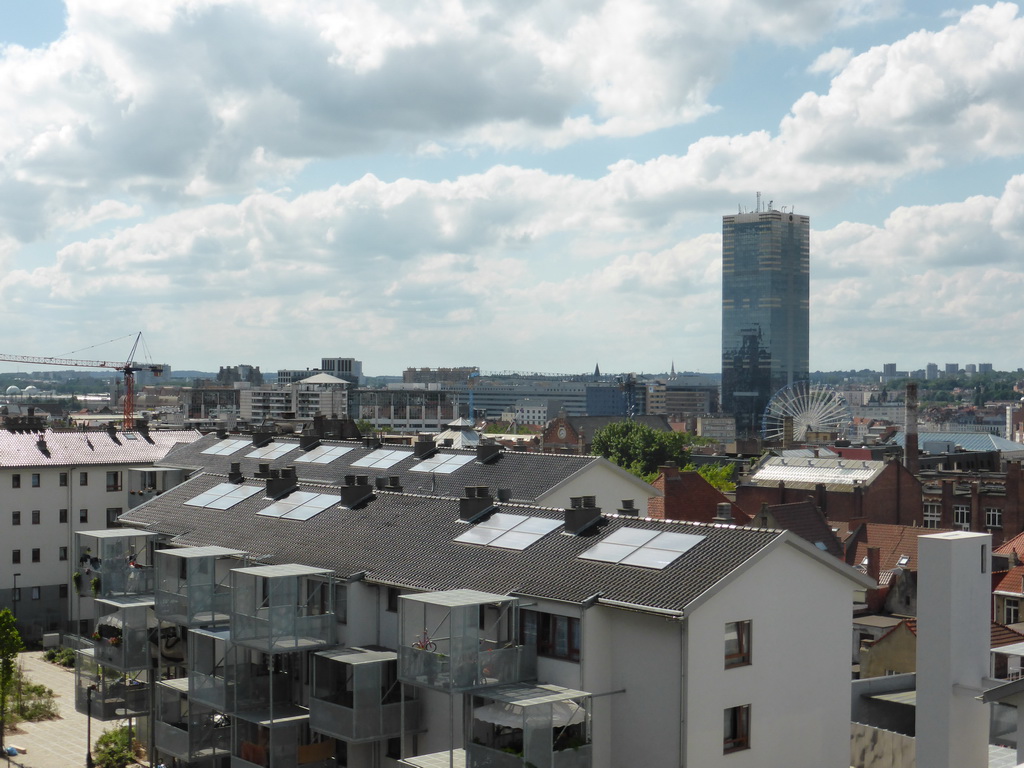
[[113, 480], [961, 516], [37, 592], [62, 554], [62, 516]]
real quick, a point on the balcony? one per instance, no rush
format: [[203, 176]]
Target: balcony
[[124, 633], [516, 726], [281, 739], [282, 608], [186, 730], [117, 561], [192, 585], [212, 668], [114, 695], [356, 696], [461, 640]]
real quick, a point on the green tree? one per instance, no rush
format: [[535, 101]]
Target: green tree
[[719, 475], [10, 647], [114, 749], [640, 449]]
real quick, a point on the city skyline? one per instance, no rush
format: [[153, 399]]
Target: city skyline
[[524, 187]]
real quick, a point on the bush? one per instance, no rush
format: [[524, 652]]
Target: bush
[[114, 749], [64, 657]]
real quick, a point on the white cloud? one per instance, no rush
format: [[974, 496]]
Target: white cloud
[[831, 62]]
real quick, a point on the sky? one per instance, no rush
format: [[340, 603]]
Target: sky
[[529, 186]]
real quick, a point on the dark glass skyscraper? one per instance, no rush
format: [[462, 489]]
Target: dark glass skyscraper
[[765, 310]]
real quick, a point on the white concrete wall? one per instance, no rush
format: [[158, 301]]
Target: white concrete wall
[[603, 482], [954, 585], [798, 682]]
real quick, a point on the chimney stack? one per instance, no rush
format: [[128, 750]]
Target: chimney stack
[[235, 473], [476, 501], [581, 513], [910, 449], [628, 508], [723, 513]]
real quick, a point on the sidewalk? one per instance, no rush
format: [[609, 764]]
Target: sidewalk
[[53, 743]]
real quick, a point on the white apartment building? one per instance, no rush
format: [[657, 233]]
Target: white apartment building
[[317, 394], [54, 484]]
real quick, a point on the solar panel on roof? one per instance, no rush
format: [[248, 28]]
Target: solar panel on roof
[[223, 496], [324, 454], [226, 447], [642, 547], [509, 531], [300, 505], [443, 464], [272, 451], [381, 459]]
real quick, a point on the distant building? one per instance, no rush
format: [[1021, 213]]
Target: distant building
[[952, 369], [439, 375], [765, 310], [931, 371], [984, 367]]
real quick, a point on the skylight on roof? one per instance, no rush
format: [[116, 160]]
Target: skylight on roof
[[443, 464], [272, 451], [324, 454], [508, 531], [644, 548], [223, 496], [383, 458], [300, 505], [226, 447]]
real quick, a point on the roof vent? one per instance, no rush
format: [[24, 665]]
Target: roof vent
[[394, 483], [372, 443], [308, 442], [723, 513], [628, 508], [424, 449], [448, 442], [581, 514], [487, 453], [222, 434], [356, 490], [504, 494], [235, 474], [281, 482], [260, 439], [476, 501], [41, 445], [263, 471]]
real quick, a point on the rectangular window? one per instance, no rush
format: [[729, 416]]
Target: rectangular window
[[17, 595], [15, 517], [36, 593], [35, 480], [1011, 610], [737, 644], [962, 517], [35, 517], [83, 478], [62, 591], [993, 517], [62, 553], [63, 479], [932, 515], [112, 514], [341, 603], [113, 481], [16, 556], [737, 728], [63, 516], [35, 555], [556, 637], [393, 594], [15, 481], [83, 515]]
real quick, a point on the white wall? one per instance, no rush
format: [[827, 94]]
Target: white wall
[[798, 682], [603, 481]]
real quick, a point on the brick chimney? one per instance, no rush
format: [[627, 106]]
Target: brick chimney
[[910, 450]]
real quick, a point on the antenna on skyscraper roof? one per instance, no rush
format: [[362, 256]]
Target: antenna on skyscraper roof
[[758, 210]]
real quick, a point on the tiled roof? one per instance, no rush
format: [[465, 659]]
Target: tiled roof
[[999, 635], [1011, 581], [528, 476], [408, 540], [834, 474], [969, 441], [1013, 546], [589, 425], [893, 541], [805, 520], [72, 447]]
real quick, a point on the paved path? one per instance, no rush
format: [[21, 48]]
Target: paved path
[[53, 743]]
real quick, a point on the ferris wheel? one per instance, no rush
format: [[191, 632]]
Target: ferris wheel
[[812, 407]]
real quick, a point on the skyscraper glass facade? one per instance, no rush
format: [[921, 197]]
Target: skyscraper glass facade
[[765, 310]]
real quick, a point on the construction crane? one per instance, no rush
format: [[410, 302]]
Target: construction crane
[[128, 368]]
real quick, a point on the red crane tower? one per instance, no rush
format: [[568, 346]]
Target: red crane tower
[[128, 368]]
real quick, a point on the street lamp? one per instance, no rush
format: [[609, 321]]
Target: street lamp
[[88, 725], [15, 597]]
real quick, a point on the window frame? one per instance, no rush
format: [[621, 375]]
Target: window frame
[[113, 481], [36, 516], [83, 478], [62, 516], [63, 479], [16, 517], [741, 656], [36, 555], [932, 515], [16, 480], [962, 517], [15, 557], [62, 553], [736, 730], [83, 515], [544, 632], [993, 517], [37, 480], [1011, 607]]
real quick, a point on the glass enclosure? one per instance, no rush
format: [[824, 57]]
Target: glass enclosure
[[282, 742], [193, 585], [114, 694], [356, 696], [514, 726], [187, 730], [212, 668], [116, 562], [125, 632], [461, 639], [280, 608]]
